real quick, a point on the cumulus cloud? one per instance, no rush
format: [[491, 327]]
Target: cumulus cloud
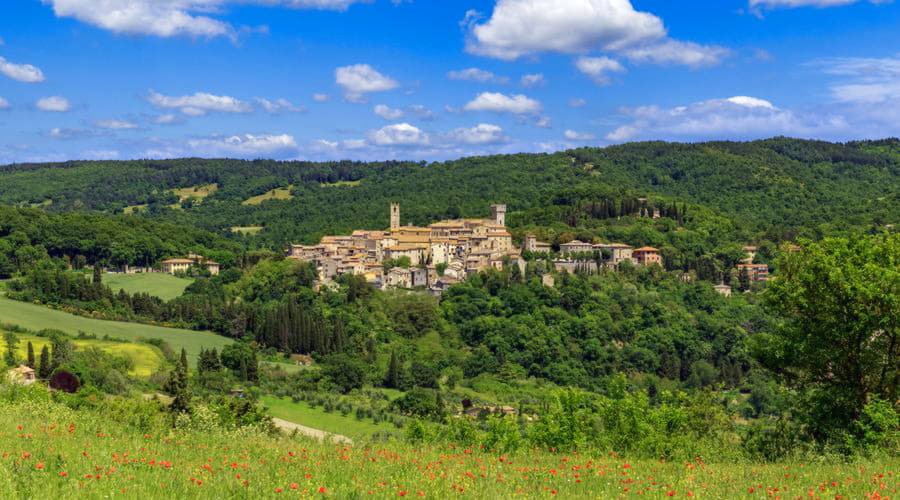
[[321, 97], [279, 106], [245, 145], [577, 102], [388, 113], [476, 75], [116, 124], [360, 79], [4, 104], [54, 104], [21, 72], [67, 134], [166, 119], [422, 112], [578, 136], [400, 134], [483, 133], [533, 80], [739, 117], [199, 104], [866, 80], [100, 154], [518, 28], [502, 103], [167, 18], [598, 68]]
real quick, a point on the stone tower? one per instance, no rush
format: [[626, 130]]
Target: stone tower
[[395, 216], [498, 213]]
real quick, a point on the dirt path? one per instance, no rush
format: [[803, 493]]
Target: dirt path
[[309, 431]]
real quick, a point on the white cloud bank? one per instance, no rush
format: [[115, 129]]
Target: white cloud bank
[[597, 68], [792, 4], [168, 18], [116, 124], [483, 133], [199, 104], [245, 145], [4, 104], [21, 72], [279, 106], [502, 103], [400, 134], [476, 75]]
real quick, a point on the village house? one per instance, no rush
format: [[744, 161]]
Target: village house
[[173, 266], [22, 375], [757, 273], [647, 256], [723, 290], [534, 246], [751, 255], [574, 247], [618, 252]]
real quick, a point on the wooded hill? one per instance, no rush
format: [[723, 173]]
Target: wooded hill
[[772, 189]]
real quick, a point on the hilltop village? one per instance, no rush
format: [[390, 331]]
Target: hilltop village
[[448, 251]]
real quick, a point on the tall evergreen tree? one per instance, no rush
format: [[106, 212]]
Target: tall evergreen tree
[[12, 344], [31, 362], [394, 374], [45, 369]]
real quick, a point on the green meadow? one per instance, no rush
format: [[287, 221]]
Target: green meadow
[[164, 286]]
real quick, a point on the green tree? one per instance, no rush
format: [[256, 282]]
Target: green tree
[[31, 362], [393, 379], [840, 335], [45, 369], [12, 344]]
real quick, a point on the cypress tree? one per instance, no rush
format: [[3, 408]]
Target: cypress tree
[[30, 363], [44, 369], [392, 379], [184, 359]]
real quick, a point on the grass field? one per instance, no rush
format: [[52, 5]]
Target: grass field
[[247, 229], [279, 194], [164, 286], [195, 192], [133, 209], [341, 184], [146, 359], [50, 451], [317, 418], [34, 317]]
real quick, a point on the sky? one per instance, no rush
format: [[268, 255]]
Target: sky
[[435, 79]]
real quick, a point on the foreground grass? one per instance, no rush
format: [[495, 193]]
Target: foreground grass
[[145, 359], [317, 418], [34, 317], [49, 451], [164, 286]]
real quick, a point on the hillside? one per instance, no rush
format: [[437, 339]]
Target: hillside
[[775, 189]]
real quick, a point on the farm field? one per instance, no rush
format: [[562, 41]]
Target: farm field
[[164, 286], [339, 184], [146, 359], [34, 317], [51, 451], [195, 192], [279, 194], [317, 418], [247, 229]]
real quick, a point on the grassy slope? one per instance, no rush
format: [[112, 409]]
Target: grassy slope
[[35, 317], [280, 194], [146, 358], [100, 457], [317, 418], [164, 286]]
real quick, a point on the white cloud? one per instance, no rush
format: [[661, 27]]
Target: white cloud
[[279, 106], [245, 145], [867, 80], [501, 103], [533, 80], [483, 133], [739, 117], [598, 68], [166, 119], [388, 113], [101, 154], [578, 136], [54, 104], [476, 75], [200, 103], [755, 5], [677, 52], [321, 97], [400, 134], [422, 112], [543, 122], [577, 102], [116, 124], [21, 72], [518, 28], [360, 79], [72, 133], [4, 104], [167, 18]]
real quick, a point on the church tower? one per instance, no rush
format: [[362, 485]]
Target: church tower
[[498, 213], [395, 216]]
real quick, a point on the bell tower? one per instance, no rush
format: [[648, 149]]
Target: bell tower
[[395, 216], [498, 213]]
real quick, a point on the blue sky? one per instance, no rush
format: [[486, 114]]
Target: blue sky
[[435, 79]]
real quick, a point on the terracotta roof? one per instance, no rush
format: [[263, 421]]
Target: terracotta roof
[[178, 261], [647, 249]]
